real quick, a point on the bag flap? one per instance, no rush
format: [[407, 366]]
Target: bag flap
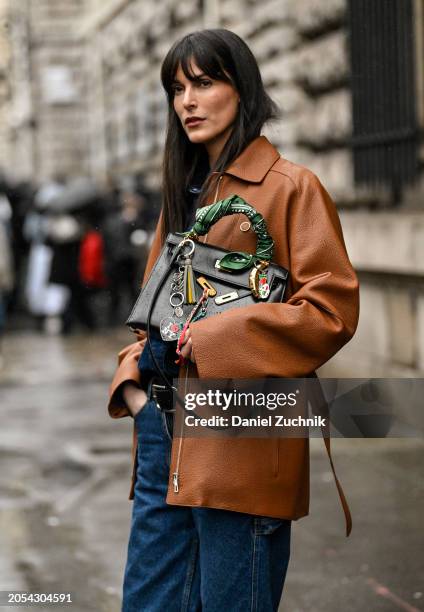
[[205, 257]]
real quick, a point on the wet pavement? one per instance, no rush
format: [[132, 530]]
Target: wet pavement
[[65, 472], [64, 483]]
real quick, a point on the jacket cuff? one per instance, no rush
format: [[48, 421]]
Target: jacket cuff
[[117, 407]]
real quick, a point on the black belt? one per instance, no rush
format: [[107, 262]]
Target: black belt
[[162, 396]]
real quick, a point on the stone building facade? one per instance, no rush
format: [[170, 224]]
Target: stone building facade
[[89, 87], [47, 110], [4, 83]]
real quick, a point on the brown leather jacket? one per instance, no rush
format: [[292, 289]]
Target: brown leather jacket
[[268, 477]]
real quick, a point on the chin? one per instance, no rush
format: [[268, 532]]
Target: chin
[[199, 137]]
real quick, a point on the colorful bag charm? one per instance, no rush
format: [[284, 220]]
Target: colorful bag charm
[[169, 329], [258, 281], [197, 313], [264, 289], [189, 282]]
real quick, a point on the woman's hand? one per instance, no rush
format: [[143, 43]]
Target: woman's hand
[[134, 397], [187, 346]]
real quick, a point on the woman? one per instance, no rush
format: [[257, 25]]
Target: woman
[[212, 517]]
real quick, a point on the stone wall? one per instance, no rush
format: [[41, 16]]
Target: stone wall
[[114, 125], [124, 53], [48, 111], [4, 83], [289, 39]]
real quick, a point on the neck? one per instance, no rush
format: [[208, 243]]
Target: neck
[[214, 147], [214, 151]]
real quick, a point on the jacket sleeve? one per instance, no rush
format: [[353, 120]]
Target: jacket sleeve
[[128, 357], [290, 339]]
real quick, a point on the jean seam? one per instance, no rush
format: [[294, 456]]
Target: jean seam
[[168, 438], [189, 577], [165, 426]]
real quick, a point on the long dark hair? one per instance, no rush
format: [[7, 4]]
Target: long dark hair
[[217, 53]]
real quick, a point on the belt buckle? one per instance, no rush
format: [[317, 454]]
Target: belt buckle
[[156, 387]]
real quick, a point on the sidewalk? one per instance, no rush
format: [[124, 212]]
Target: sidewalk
[[64, 483]]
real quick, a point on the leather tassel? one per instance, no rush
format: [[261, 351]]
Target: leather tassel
[[189, 283]]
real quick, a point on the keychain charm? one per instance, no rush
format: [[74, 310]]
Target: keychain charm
[[186, 278], [170, 329], [263, 288], [205, 284], [198, 312], [176, 300], [258, 281]]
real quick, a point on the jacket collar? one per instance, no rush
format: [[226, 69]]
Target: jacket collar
[[255, 161]]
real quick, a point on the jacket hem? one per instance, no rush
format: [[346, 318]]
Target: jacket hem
[[292, 517]]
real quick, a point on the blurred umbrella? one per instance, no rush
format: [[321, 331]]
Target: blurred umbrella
[[47, 194], [78, 194]]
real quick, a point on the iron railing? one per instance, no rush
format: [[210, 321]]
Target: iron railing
[[385, 130]]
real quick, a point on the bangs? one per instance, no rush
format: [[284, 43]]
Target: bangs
[[197, 50]]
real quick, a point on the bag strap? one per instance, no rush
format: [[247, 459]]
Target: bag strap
[[343, 500], [320, 406]]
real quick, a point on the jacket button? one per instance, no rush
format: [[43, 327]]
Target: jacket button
[[245, 226]]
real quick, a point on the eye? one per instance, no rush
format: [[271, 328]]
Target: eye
[[177, 88], [204, 83]]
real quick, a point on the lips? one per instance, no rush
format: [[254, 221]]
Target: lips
[[192, 121]]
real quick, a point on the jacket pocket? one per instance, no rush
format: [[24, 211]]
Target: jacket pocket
[[139, 417]]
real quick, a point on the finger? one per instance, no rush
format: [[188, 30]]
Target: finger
[[186, 349], [191, 356], [185, 337]]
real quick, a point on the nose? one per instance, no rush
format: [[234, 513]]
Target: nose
[[189, 100]]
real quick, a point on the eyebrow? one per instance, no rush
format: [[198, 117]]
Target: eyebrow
[[195, 78]]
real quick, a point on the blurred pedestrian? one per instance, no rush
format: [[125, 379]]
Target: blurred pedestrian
[[45, 299], [66, 232], [122, 255], [91, 262], [21, 197], [151, 203], [6, 263]]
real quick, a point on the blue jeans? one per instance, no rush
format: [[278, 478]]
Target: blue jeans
[[183, 559]]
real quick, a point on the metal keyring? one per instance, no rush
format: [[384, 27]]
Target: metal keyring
[[173, 296], [183, 244]]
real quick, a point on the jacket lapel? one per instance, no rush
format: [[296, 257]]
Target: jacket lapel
[[250, 167]]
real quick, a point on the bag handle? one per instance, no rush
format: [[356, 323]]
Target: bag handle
[[207, 216]]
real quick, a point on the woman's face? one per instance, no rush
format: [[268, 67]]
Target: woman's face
[[207, 109]]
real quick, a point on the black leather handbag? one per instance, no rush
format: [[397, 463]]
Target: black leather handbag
[[186, 270]]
